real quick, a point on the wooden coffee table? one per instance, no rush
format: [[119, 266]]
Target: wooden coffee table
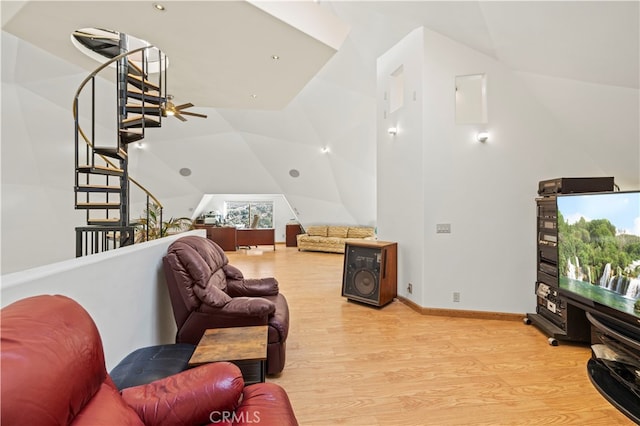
[[246, 347]]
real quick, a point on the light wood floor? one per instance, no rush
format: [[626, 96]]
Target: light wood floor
[[349, 364]]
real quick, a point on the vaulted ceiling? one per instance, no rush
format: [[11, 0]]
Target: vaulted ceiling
[[221, 51]]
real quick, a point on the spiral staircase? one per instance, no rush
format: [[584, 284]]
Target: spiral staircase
[[102, 183]]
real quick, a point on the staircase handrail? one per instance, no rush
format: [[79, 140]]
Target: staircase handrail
[[84, 136]]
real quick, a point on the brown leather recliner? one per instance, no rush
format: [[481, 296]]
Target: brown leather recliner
[[53, 373], [207, 292]]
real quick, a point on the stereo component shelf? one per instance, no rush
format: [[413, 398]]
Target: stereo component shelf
[[554, 316]]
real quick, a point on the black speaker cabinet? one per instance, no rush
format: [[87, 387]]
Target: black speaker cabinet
[[370, 272]]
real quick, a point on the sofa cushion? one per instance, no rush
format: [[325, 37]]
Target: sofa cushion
[[317, 230], [310, 238], [360, 232], [337, 231]]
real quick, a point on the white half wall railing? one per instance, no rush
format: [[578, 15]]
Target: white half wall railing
[[123, 290]]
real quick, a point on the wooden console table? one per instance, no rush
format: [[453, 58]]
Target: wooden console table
[[257, 237]]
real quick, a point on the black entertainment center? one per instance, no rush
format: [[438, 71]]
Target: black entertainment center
[[588, 280], [554, 316]]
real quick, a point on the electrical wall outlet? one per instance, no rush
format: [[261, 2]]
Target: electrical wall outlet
[[443, 228], [456, 296], [410, 288]]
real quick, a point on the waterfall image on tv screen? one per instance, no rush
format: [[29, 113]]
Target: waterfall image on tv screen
[[599, 248]]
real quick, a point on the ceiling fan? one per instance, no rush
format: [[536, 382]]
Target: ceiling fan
[[168, 108]]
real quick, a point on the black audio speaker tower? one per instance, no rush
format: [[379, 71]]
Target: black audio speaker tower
[[370, 272]]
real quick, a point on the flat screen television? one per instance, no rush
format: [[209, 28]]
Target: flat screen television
[[599, 254], [599, 270]]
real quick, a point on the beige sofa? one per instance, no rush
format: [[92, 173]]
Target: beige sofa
[[332, 238]]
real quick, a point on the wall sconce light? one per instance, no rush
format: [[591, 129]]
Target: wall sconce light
[[393, 131], [482, 137], [139, 145], [325, 150]]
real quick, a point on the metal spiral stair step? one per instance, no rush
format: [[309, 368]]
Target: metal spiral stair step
[[135, 69], [108, 221], [151, 96], [139, 121], [118, 153], [140, 83], [103, 44], [98, 188], [100, 170], [98, 205], [130, 136], [144, 109]]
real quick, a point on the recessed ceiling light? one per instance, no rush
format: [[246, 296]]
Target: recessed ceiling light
[[254, 96], [294, 173], [160, 7], [275, 57], [185, 171]]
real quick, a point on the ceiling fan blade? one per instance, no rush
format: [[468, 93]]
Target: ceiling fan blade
[[193, 114], [178, 110], [183, 106], [179, 116]]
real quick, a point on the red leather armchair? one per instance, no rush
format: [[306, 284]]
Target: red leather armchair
[[53, 373], [207, 292]]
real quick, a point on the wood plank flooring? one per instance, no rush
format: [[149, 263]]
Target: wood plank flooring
[[349, 364]]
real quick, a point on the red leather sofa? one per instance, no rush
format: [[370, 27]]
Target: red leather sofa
[[207, 292], [53, 373]]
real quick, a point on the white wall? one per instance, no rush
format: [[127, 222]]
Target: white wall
[[487, 191], [38, 218], [123, 290], [602, 121], [400, 166]]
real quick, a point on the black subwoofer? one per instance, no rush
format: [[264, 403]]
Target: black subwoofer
[[370, 272]]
